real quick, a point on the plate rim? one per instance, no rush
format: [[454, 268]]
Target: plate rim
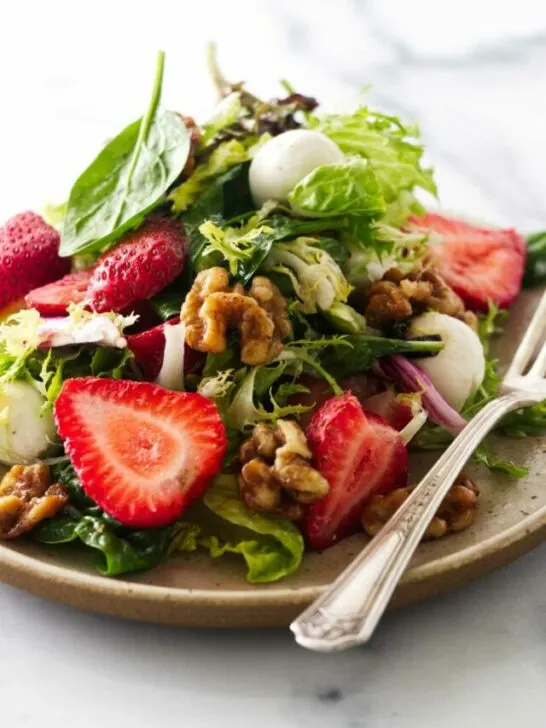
[[14, 564]]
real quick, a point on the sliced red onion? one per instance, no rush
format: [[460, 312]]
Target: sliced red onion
[[410, 378]]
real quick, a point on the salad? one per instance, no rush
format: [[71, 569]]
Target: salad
[[231, 334]]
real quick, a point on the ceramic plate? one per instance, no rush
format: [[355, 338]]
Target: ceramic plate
[[198, 591]]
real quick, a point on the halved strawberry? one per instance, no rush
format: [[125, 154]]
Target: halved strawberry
[[143, 453], [480, 264], [149, 347], [54, 298], [142, 263], [29, 256], [360, 455]]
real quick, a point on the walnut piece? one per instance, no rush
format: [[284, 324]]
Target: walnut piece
[[26, 498], [398, 295], [212, 307], [456, 512], [277, 475]]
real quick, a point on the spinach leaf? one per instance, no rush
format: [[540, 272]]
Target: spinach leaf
[[128, 179], [136, 550], [362, 351], [350, 188], [64, 474], [535, 266], [168, 303], [122, 549]]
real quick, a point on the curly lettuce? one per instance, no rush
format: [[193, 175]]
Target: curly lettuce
[[391, 148]]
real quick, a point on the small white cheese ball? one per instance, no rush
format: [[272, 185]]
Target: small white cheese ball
[[458, 370], [25, 432], [286, 159]]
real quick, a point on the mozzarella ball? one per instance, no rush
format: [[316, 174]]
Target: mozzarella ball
[[458, 370], [286, 159], [25, 432]]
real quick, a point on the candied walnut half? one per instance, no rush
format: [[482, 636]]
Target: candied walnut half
[[212, 308], [276, 474], [26, 498], [456, 512], [399, 295]]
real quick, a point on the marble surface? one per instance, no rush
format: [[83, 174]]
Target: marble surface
[[472, 73]]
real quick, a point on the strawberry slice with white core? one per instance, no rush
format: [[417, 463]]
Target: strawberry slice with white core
[[143, 453], [360, 455], [54, 298], [480, 264]]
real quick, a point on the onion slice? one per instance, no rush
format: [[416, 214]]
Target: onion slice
[[171, 375], [410, 378]]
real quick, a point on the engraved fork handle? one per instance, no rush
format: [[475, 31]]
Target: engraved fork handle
[[349, 610]]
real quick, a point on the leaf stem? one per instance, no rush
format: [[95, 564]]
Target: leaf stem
[[145, 125]]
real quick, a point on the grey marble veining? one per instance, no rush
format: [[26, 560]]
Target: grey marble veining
[[473, 75]]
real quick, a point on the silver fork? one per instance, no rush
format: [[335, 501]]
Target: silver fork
[[350, 609]]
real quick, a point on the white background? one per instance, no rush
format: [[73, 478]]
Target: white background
[[472, 72]]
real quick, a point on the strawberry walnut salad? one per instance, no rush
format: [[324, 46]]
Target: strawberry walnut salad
[[230, 335]]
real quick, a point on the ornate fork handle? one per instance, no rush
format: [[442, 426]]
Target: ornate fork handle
[[348, 612]]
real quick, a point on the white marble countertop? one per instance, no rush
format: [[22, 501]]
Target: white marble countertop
[[472, 73]]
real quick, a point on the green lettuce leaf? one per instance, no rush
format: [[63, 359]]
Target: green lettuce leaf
[[349, 188], [316, 278], [392, 149], [271, 547], [244, 248]]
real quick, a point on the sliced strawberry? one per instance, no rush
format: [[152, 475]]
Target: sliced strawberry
[[141, 265], [480, 264], [149, 347], [363, 386], [143, 453], [360, 455], [29, 256], [54, 298]]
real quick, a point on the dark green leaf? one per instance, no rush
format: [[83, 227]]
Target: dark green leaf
[[57, 530], [525, 422], [535, 265], [485, 457], [139, 550], [64, 474], [362, 352], [168, 303], [127, 180]]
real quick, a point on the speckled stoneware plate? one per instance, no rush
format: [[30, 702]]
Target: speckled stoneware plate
[[198, 591]]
